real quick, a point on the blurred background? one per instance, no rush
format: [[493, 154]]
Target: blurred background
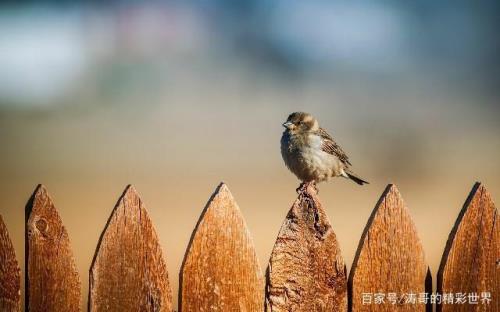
[[176, 96]]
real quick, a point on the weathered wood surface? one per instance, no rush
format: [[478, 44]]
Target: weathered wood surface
[[471, 260], [389, 259], [10, 274], [52, 281], [306, 271], [220, 271], [129, 272]]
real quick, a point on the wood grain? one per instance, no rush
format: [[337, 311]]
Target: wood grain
[[306, 271], [52, 281], [389, 259], [471, 260], [220, 271], [129, 272], [10, 274]]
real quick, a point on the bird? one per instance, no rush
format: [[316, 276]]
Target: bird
[[312, 154]]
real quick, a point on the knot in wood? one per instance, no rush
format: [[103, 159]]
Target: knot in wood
[[42, 226]]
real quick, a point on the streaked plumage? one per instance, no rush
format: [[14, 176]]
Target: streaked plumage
[[311, 153]]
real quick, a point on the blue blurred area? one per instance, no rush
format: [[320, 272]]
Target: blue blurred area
[[52, 49]]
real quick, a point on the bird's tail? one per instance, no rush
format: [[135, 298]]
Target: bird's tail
[[351, 175]]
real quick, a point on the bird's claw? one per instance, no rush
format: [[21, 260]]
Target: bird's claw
[[301, 188]]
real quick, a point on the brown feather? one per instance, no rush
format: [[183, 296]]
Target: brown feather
[[331, 147]]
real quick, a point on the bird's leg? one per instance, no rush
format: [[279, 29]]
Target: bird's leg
[[305, 185]]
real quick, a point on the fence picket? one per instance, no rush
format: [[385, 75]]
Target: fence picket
[[220, 271], [10, 274], [306, 271], [389, 260], [471, 260], [52, 281], [128, 272]]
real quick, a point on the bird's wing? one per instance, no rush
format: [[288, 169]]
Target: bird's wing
[[331, 147]]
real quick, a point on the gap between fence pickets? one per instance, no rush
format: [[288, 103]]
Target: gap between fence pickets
[[478, 210]]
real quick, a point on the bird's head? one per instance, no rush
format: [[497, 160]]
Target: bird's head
[[300, 122]]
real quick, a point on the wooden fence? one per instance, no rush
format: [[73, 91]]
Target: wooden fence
[[220, 271]]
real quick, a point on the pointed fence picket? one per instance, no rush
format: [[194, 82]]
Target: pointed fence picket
[[52, 281], [389, 260], [471, 260], [306, 270], [10, 274], [128, 272], [220, 271]]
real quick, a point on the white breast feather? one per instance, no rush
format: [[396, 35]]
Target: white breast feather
[[311, 162], [322, 163]]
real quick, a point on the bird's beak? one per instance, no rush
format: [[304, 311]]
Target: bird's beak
[[288, 125]]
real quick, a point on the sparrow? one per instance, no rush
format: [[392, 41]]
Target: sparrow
[[311, 153]]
